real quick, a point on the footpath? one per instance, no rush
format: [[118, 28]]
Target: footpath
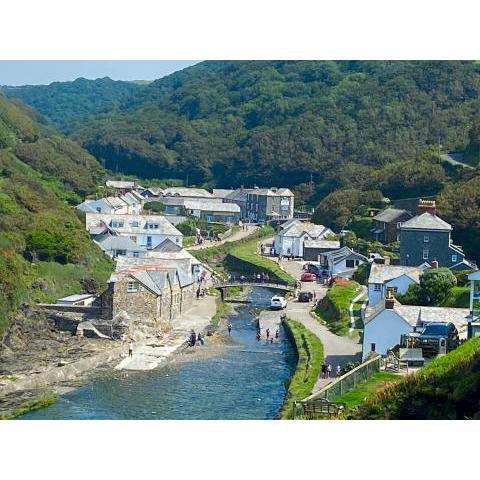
[[338, 350], [232, 238]]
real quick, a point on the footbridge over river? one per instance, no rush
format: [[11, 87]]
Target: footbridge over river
[[250, 281]]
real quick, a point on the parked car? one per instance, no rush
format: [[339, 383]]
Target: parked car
[[429, 338], [305, 296], [308, 277], [277, 303], [312, 268]]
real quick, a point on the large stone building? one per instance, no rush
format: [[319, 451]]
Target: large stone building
[[265, 204], [149, 291], [427, 238]]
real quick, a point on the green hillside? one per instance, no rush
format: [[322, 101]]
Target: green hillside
[[67, 103], [447, 388], [45, 251]]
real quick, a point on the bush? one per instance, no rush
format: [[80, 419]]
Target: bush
[[47, 245]]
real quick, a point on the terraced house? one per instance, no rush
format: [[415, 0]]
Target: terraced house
[[264, 204], [146, 231]]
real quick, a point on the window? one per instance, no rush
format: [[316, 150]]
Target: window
[[133, 238], [372, 347], [350, 264], [177, 240], [156, 226], [426, 238], [149, 241], [399, 224], [134, 223], [454, 257], [121, 252], [117, 224], [136, 254], [132, 287], [425, 253], [378, 287], [99, 209]]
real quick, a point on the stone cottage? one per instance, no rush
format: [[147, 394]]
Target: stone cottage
[[151, 291]]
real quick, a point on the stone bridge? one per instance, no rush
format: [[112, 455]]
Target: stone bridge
[[250, 281]]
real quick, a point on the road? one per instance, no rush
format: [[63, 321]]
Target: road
[[455, 159], [232, 238], [338, 350]]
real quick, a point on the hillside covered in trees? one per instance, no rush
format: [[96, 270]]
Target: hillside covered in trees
[[275, 122], [45, 251]]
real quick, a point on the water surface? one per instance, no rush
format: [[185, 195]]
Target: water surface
[[244, 381]]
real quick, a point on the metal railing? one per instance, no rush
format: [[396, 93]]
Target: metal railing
[[348, 381]]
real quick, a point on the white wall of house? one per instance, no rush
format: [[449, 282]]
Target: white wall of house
[[377, 292], [341, 266], [288, 245], [384, 331]]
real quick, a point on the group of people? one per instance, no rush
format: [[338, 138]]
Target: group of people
[[269, 338], [196, 339], [327, 370], [289, 257]]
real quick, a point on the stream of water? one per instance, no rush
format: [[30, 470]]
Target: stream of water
[[244, 380]]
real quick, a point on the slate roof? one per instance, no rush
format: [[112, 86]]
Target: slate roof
[[222, 192], [214, 206], [426, 221], [118, 242], [297, 229], [187, 192], [389, 215], [339, 255], [120, 184], [331, 244], [383, 273], [165, 227], [238, 195]]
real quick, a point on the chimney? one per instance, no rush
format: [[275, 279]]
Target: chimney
[[434, 264], [426, 206], [389, 300]]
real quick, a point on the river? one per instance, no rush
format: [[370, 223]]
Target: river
[[244, 379]]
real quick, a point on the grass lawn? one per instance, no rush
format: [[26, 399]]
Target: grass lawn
[[334, 307], [458, 297], [310, 359], [247, 252], [366, 389]]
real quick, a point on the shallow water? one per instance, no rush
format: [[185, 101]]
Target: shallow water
[[245, 380]]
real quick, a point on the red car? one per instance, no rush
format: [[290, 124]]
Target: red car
[[308, 277]]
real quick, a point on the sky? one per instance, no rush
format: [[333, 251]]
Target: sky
[[42, 72]]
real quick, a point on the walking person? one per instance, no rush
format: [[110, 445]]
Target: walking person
[[130, 348], [324, 370], [338, 370], [198, 293], [267, 332], [229, 326], [277, 334], [200, 339], [329, 371]]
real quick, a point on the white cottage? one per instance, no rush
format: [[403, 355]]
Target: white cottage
[[386, 322], [395, 277], [341, 263], [293, 235]]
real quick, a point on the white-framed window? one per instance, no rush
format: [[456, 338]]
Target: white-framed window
[[425, 253], [378, 287], [117, 224], [136, 254], [454, 257], [177, 240], [426, 238], [149, 241], [132, 287]]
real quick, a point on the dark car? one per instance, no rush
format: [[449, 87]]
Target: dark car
[[305, 296], [312, 268], [429, 338]]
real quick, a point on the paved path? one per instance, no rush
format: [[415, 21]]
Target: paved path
[[338, 350], [455, 159], [363, 292], [232, 238], [151, 353], [271, 320]]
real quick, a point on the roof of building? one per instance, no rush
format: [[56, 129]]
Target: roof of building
[[187, 192], [339, 255], [389, 215], [416, 314], [120, 184], [118, 242], [380, 273], [239, 195], [222, 192], [331, 244], [474, 275], [297, 229], [76, 297], [213, 206], [426, 221], [95, 220]]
